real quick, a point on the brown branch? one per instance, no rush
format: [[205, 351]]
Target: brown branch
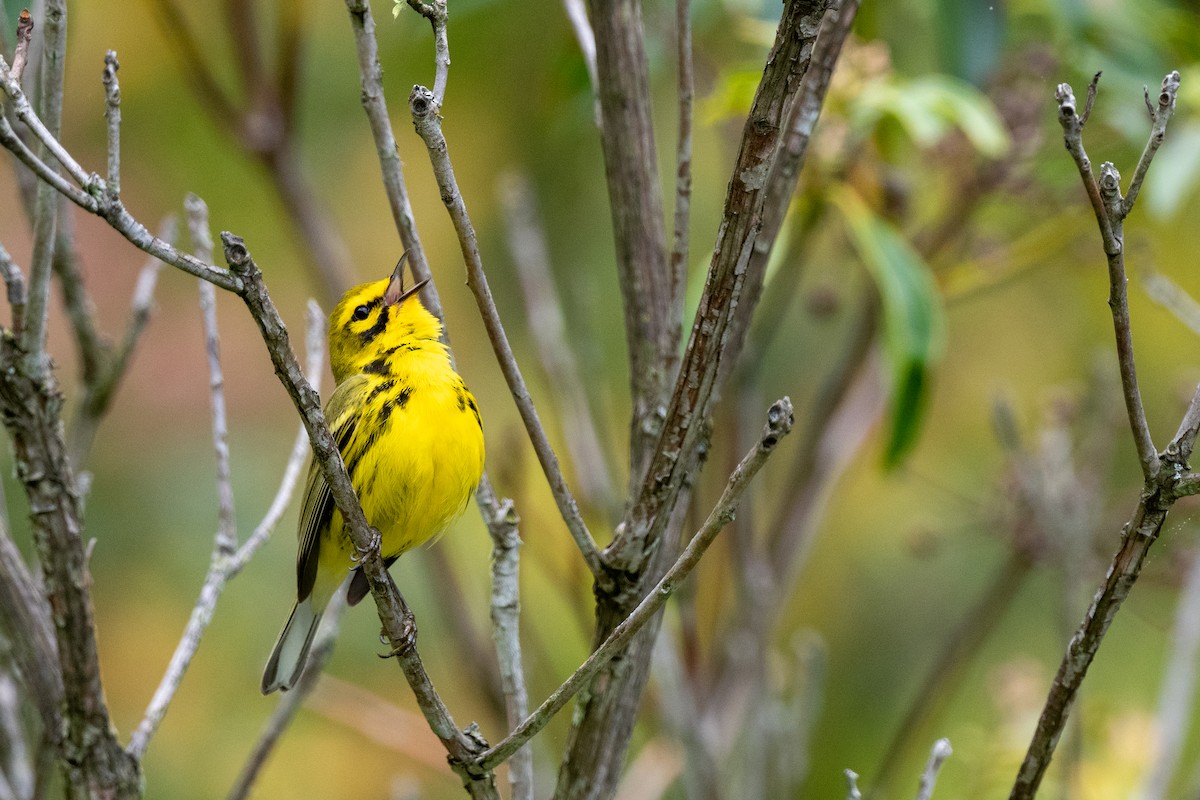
[[1110, 208], [375, 105], [436, 12], [425, 109], [1166, 474], [686, 91], [25, 622], [779, 424], [635, 200], [642, 548]]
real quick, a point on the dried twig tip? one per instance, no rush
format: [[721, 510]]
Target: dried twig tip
[[780, 419], [236, 253], [852, 792], [21, 53], [1170, 88]]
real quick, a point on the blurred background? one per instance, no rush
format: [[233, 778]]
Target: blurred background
[[931, 533]]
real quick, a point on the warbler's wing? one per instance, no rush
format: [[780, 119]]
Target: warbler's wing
[[341, 414]]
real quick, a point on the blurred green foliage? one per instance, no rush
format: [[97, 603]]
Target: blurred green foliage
[[969, 219]]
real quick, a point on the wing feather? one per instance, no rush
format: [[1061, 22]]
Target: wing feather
[[342, 414]]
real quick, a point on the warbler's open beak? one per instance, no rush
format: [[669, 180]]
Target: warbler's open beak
[[396, 293]]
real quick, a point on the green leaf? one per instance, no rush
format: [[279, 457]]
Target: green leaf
[[928, 107], [913, 318]]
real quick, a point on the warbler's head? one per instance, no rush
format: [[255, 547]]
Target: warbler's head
[[375, 318]]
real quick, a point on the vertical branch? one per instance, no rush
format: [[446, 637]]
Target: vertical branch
[[544, 311], [54, 37], [112, 116], [14, 284], [226, 537], [641, 550], [1178, 690], [506, 619], [425, 109], [683, 170], [435, 11], [1165, 473], [291, 701], [577, 15], [635, 200], [375, 104], [26, 624]]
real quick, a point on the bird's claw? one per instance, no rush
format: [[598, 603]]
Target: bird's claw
[[407, 639], [361, 553]]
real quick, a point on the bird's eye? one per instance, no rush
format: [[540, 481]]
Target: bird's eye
[[360, 313]]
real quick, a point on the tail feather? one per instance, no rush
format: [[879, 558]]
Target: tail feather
[[291, 651]]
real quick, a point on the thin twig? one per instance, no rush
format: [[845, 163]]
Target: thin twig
[[435, 11], [1178, 689], [225, 561], [375, 105], [937, 756], [25, 621], [582, 27], [291, 701], [21, 51], [683, 169], [112, 116], [544, 311], [1159, 116], [225, 541], [1109, 209], [101, 384], [18, 765], [1166, 474], [779, 423], [45, 220], [506, 629], [14, 282], [112, 211], [425, 109], [13, 143], [852, 792], [1172, 297]]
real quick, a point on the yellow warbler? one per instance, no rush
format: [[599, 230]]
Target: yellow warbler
[[411, 438]]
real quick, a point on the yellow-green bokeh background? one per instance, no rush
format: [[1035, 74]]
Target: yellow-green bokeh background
[[899, 555]]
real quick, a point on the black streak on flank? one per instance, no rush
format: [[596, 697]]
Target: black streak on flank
[[475, 411], [401, 400], [380, 325], [382, 387], [462, 397], [379, 366]]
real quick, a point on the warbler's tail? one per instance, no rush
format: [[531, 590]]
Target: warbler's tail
[[291, 651]]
